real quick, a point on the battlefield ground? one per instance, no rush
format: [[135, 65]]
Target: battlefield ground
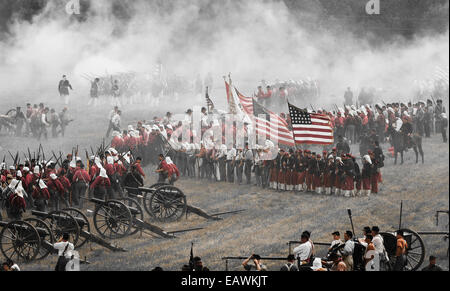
[[271, 218]]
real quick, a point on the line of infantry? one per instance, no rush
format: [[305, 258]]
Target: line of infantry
[[64, 182]]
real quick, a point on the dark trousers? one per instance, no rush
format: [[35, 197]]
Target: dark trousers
[[79, 190], [100, 192], [239, 172], [399, 263], [222, 170], [248, 171], [444, 133], [110, 127], [230, 171], [427, 129]]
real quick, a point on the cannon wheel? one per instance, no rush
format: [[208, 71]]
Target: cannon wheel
[[147, 196], [167, 203], [113, 219], [77, 214], [415, 253], [20, 241], [130, 202], [61, 222], [47, 236]]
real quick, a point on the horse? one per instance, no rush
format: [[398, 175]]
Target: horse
[[401, 142]]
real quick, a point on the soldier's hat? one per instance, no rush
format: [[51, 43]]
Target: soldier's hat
[[429, 101], [439, 101], [336, 233], [319, 156], [375, 228], [349, 233], [334, 149]]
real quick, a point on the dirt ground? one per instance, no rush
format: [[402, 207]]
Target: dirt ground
[[271, 218]]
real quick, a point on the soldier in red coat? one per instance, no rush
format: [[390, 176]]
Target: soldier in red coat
[[17, 204], [80, 183], [56, 190], [100, 185], [41, 196], [117, 141]]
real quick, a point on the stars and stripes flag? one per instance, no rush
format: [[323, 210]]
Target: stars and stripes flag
[[230, 98], [209, 102], [441, 74], [310, 128], [271, 125], [246, 103]]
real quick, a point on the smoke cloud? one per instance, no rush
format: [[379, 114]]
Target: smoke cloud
[[254, 40]]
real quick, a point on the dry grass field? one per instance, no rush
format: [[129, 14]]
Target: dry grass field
[[271, 218]]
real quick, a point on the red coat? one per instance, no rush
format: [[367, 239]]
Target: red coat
[[41, 193], [120, 169], [81, 175], [101, 182], [17, 201], [110, 170], [173, 170], [117, 142], [55, 185], [95, 171], [139, 168], [65, 182]]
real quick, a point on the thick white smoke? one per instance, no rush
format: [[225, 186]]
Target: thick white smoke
[[252, 39]]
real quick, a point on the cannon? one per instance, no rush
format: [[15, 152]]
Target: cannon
[[415, 252], [76, 224], [19, 241], [167, 203], [125, 217]]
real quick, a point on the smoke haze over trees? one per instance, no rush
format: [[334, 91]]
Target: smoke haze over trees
[[335, 42]]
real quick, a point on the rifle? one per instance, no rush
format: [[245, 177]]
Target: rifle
[[12, 157], [87, 163], [432, 98], [191, 257], [312, 107], [29, 154], [349, 211], [43, 154]]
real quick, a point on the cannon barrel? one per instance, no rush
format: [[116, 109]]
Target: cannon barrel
[[85, 234]]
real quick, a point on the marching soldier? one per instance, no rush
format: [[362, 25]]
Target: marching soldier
[[248, 158], [231, 161], [239, 163], [63, 89], [20, 119]]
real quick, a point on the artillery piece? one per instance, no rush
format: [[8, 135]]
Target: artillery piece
[[124, 217], [167, 203], [76, 224]]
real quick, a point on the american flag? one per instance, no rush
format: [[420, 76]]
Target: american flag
[[209, 102], [441, 75], [230, 98], [246, 103], [271, 125], [310, 128]]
